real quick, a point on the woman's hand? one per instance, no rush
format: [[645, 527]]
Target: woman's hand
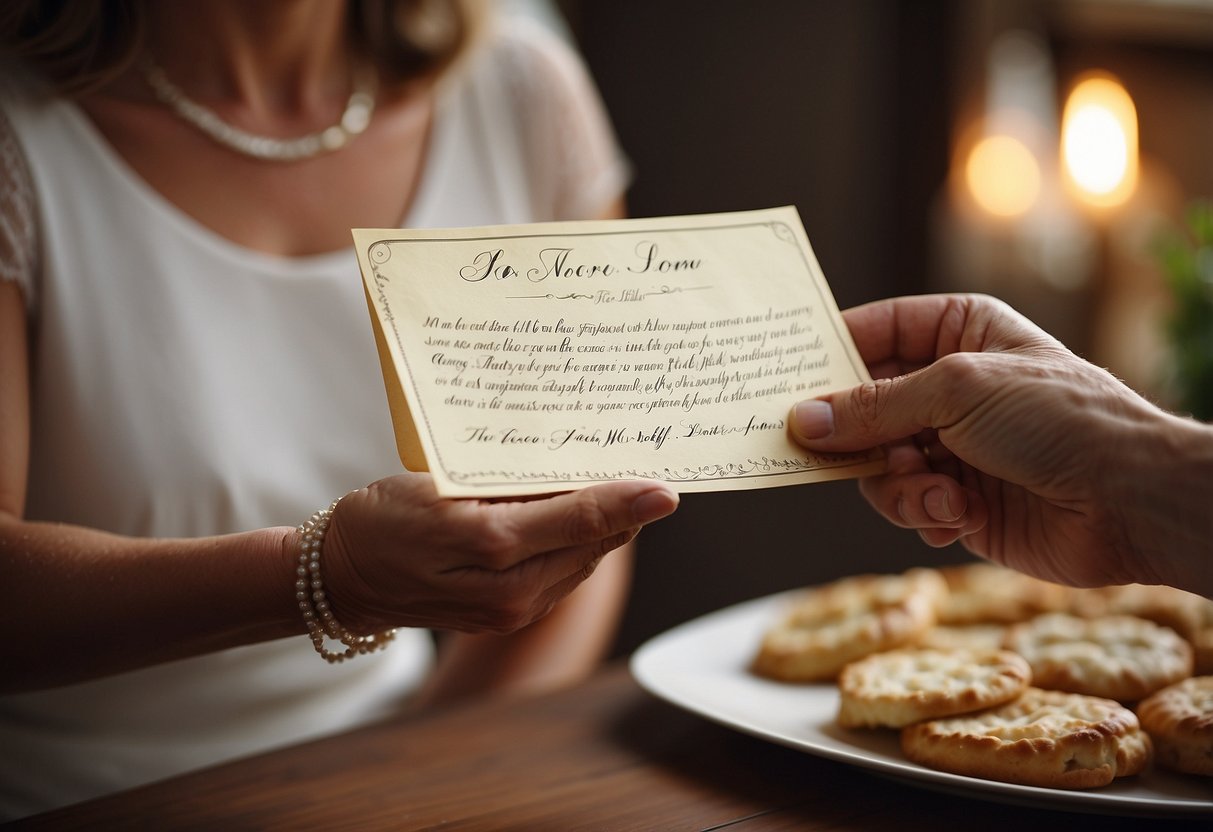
[[1001, 438], [397, 554]]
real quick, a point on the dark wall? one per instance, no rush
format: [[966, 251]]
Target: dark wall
[[839, 108]]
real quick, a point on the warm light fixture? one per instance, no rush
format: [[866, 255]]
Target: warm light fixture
[[1099, 141], [1003, 176]]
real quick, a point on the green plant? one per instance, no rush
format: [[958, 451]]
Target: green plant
[[1186, 257]]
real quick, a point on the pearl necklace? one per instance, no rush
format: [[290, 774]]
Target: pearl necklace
[[355, 119]]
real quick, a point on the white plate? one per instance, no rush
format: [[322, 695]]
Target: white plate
[[702, 667]]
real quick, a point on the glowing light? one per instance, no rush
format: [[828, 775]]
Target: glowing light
[[1003, 176], [1099, 141]]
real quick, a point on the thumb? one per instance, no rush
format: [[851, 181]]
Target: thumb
[[874, 413]]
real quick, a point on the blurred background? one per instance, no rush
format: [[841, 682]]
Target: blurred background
[[1044, 151]]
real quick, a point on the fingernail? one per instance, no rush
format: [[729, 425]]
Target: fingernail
[[812, 419], [938, 505], [653, 505]]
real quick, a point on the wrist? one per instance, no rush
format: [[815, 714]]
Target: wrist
[[354, 597], [315, 606], [1162, 493]]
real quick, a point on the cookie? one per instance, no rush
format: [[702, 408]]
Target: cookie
[[1201, 639], [1118, 657], [1043, 738], [832, 625], [984, 592], [1202, 651], [969, 636], [899, 687], [1184, 612], [1179, 719]]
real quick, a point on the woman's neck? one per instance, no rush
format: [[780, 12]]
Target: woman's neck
[[271, 58]]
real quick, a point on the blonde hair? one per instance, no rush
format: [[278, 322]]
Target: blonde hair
[[80, 45]]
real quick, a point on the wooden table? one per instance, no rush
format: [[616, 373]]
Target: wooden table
[[604, 756]]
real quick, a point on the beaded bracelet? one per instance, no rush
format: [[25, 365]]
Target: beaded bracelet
[[309, 592]]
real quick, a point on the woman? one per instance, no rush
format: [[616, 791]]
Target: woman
[[187, 370]]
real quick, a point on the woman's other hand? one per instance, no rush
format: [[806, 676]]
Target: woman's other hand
[[397, 554]]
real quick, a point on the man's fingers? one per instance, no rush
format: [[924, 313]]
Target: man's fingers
[[888, 409], [917, 501], [929, 355], [939, 538], [871, 414], [939, 507], [901, 331], [897, 335]]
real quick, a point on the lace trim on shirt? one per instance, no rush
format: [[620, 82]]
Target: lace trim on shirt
[[18, 229]]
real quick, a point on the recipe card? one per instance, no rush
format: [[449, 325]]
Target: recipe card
[[539, 358]]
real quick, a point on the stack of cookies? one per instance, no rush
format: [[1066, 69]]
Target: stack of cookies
[[990, 673]]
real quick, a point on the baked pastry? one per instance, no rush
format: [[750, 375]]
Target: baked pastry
[[1179, 719], [1044, 738], [1201, 640], [899, 687], [1184, 612], [968, 636], [1202, 652], [985, 592], [832, 625], [1118, 657]]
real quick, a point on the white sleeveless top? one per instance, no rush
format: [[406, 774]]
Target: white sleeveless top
[[184, 386]]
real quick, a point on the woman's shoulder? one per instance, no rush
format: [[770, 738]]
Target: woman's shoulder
[[527, 84], [531, 60]]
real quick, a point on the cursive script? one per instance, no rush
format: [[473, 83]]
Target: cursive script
[[564, 262]]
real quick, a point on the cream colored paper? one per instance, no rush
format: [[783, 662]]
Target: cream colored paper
[[538, 358]]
